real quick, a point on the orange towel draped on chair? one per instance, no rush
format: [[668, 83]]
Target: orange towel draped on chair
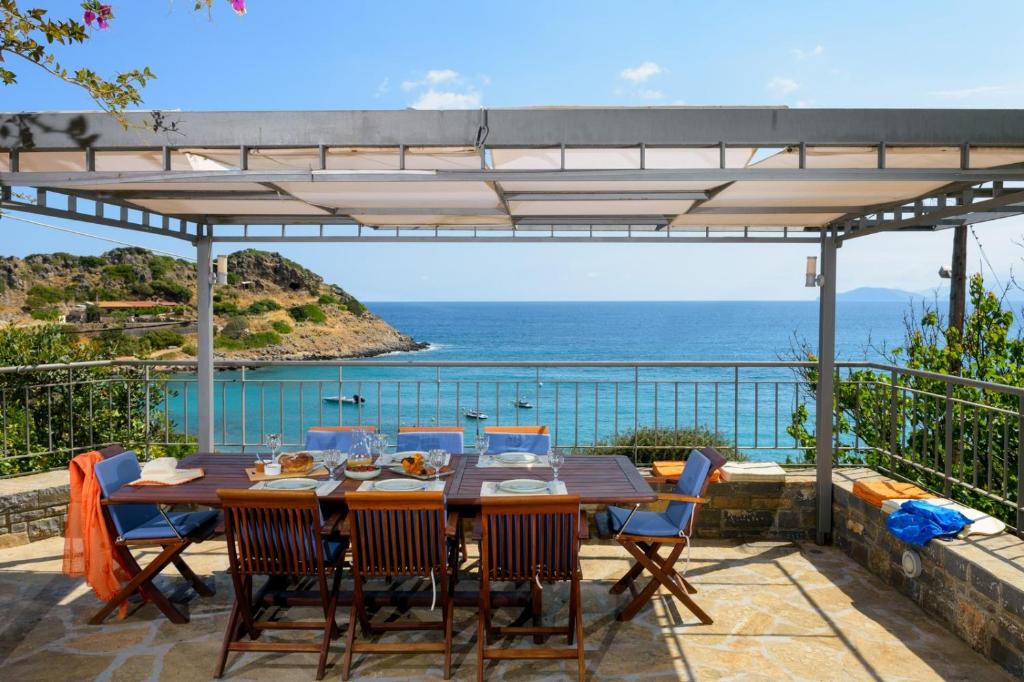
[[672, 470], [88, 549]]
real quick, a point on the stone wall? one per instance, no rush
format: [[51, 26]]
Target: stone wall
[[974, 586], [33, 507], [780, 511]]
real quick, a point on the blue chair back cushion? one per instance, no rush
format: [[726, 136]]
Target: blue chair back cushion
[[333, 440], [690, 483], [430, 440], [537, 443], [115, 472]]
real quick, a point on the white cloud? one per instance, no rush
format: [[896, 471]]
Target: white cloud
[[782, 86], [435, 99], [641, 73], [651, 94], [435, 76], [800, 54], [976, 91], [383, 88]]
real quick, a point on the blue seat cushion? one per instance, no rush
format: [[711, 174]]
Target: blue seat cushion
[[657, 524], [333, 549], [157, 528]]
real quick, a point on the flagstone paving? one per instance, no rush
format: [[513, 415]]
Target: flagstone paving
[[782, 612]]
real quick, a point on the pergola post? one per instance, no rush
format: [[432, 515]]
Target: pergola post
[[204, 347], [823, 431]]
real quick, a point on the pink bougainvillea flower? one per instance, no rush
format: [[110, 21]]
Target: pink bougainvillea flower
[[88, 17], [102, 23], [238, 6]]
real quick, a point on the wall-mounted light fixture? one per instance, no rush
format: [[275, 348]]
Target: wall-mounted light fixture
[[811, 276], [222, 270], [945, 272]]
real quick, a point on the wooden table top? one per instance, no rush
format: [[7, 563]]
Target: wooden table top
[[597, 479]]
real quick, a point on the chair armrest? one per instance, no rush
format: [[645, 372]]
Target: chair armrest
[[451, 527], [676, 497]]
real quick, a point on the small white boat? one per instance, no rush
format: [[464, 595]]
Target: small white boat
[[523, 404], [474, 414], [348, 400]]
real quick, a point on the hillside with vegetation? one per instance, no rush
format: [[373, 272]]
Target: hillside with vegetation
[[136, 303]]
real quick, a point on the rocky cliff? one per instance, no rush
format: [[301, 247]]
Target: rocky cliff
[[272, 308]]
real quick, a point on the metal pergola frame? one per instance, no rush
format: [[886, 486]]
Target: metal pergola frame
[[964, 195]]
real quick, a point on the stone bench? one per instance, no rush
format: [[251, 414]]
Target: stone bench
[[975, 586]]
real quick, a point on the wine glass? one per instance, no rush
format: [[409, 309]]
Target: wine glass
[[332, 460], [380, 443], [482, 444], [436, 459], [556, 459], [274, 443]]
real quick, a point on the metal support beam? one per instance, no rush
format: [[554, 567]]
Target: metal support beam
[[823, 432], [204, 353]]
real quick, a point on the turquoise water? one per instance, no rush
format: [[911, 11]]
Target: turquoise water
[[580, 404]]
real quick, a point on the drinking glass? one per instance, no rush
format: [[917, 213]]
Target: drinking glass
[[274, 443], [436, 459], [482, 443], [332, 460], [380, 443], [359, 448], [556, 459]]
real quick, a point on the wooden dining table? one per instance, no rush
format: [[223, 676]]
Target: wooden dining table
[[597, 479]]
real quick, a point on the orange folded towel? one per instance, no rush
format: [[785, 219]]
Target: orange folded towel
[[875, 490], [516, 429], [88, 548], [671, 471]]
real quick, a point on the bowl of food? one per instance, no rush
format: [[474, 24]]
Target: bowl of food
[[296, 463], [362, 472], [417, 467]]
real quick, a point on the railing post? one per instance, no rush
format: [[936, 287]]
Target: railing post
[[893, 423], [145, 374], [241, 400], [636, 411], [204, 347], [1020, 465], [947, 485]]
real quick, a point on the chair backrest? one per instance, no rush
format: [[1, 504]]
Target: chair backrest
[[430, 440], [693, 481], [535, 439], [111, 474], [397, 533], [530, 537], [334, 437], [272, 532]]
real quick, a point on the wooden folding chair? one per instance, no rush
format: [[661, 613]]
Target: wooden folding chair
[[400, 535], [530, 539], [281, 535], [147, 525], [644, 533]]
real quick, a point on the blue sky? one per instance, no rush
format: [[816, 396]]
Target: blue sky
[[344, 55]]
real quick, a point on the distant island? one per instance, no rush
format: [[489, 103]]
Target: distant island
[[142, 304], [877, 295]]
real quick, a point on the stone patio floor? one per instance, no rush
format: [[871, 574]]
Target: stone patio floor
[[782, 612]]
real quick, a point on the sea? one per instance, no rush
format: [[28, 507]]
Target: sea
[[582, 406]]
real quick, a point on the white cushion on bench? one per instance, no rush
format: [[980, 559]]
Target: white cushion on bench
[[753, 472]]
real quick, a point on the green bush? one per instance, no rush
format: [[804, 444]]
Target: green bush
[[650, 444], [122, 271], [234, 279], [179, 293], [235, 328], [281, 327], [263, 305], [355, 307], [226, 308], [310, 312], [249, 341], [40, 296], [327, 299], [159, 339], [91, 261], [46, 314]]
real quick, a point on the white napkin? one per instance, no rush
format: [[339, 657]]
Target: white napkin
[[490, 489], [489, 461]]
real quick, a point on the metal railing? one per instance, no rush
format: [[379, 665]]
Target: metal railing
[[958, 437]]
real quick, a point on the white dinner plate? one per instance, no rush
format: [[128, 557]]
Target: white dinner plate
[[523, 486], [516, 458], [292, 484], [400, 485]]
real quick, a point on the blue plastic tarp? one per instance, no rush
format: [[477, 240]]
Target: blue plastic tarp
[[916, 522]]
